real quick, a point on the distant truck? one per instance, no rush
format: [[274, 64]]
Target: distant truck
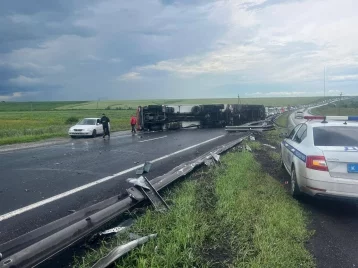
[[161, 117]]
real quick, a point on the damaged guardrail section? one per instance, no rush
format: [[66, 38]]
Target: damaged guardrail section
[[35, 247], [253, 126]]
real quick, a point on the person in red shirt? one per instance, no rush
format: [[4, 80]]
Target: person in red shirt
[[133, 123]]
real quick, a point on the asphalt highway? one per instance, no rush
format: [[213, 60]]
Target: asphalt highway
[[42, 184]]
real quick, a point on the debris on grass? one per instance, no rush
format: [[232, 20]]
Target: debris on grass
[[268, 145], [121, 250]]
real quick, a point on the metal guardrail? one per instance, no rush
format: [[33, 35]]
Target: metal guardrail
[[37, 246], [260, 126]]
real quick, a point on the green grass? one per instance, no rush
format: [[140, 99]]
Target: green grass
[[127, 104], [283, 119], [235, 215], [254, 145], [36, 106], [345, 107], [33, 126], [273, 136]]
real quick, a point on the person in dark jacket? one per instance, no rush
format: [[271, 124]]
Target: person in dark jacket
[[133, 123], [104, 121]]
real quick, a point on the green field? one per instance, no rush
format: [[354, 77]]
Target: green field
[[37, 125], [36, 106], [133, 104], [346, 107]]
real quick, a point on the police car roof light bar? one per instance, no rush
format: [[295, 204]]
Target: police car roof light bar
[[331, 117]]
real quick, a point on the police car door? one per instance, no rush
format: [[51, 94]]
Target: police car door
[[287, 151], [298, 150]]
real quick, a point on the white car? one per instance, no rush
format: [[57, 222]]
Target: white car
[[321, 156], [299, 114], [87, 127]]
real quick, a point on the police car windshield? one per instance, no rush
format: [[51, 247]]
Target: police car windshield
[[335, 136], [87, 122]]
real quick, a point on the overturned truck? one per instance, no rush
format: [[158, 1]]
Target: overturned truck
[[161, 117]]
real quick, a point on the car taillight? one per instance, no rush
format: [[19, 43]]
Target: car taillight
[[316, 162]]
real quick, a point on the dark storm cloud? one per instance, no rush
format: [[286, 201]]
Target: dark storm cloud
[[86, 49], [27, 23]]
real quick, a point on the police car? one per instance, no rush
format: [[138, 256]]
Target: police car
[[87, 127], [321, 156]]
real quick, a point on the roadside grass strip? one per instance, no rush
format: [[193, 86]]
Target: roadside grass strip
[[29, 126], [268, 227], [273, 136], [282, 119], [232, 215], [254, 145]]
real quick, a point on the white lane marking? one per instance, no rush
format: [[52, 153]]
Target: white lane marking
[[83, 187], [154, 139]]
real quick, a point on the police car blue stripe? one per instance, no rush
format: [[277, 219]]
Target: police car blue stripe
[[353, 118], [296, 152]]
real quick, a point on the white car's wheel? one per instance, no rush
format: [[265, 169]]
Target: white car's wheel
[[294, 189], [94, 133]]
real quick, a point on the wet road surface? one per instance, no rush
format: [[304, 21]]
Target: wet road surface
[[40, 185]]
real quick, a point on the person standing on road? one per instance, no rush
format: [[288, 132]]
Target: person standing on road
[[133, 124], [105, 121]]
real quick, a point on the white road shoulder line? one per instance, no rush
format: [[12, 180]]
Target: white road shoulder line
[[83, 187], [154, 139]]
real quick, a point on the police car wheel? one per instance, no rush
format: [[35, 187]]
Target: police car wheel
[[282, 165], [294, 189], [94, 133]]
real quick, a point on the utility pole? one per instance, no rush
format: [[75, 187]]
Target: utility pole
[[324, 82], [339, 107], [97, 103], [238, 99]]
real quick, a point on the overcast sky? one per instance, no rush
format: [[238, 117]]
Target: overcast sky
[[139, 49]]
